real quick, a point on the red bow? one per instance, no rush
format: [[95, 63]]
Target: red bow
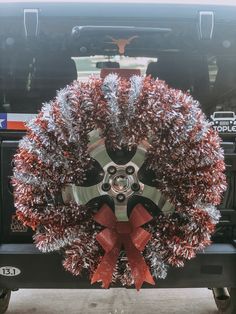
[[127, 234]]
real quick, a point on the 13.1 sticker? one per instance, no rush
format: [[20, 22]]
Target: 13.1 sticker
[[9, 271]]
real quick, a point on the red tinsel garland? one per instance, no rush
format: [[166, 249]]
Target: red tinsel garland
[[184, 152]]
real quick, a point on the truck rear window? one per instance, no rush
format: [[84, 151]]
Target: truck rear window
[[32, 69]]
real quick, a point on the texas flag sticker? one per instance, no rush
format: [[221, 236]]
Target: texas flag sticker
[[14, 121]]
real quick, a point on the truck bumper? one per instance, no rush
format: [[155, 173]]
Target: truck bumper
[[215, 267]]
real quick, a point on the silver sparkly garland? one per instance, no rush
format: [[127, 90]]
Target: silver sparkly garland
[[212, 211], [134, 93], [66, 99], [56, 242], [158, 267], [56, 158], [29, 179], [110, 90]]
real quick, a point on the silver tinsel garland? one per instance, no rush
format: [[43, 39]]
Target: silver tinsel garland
[[184, 154], [110, 89]]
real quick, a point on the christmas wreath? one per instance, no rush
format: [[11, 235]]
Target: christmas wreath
[[122, 176]]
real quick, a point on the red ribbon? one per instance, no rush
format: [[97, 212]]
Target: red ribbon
[[128, 234]]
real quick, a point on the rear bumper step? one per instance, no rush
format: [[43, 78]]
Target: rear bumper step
[[215, 267]]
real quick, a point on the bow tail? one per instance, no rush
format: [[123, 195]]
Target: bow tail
[[106, 268], [139, 269]]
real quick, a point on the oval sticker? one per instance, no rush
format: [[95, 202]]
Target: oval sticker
[[9, 271]]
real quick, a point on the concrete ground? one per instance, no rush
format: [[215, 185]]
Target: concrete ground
[[113, 301]]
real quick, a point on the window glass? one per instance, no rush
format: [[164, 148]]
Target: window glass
[[32, 70], [87, 66]]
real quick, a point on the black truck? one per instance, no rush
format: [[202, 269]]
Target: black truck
[[46, 45]]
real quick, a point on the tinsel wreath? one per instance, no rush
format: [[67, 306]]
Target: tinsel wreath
[[184, 153]]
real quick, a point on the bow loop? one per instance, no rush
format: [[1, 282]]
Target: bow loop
[[139, 216], [140, 238], [105, 217], [107, 238]]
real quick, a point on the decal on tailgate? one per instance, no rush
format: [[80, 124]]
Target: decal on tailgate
[[9, 271], [15, 121], [17, 226]]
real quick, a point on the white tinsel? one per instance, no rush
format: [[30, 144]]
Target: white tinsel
[[212, 211], [134, 93], [66, 113], [158, 267], [29, 179], [55, 158], [110, 90], [54, 242]]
